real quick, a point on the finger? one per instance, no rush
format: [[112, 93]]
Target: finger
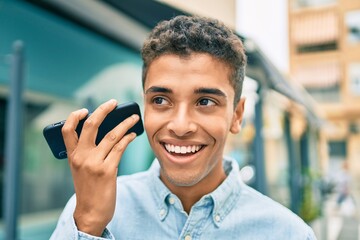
[[91, 125], [114, 156], [115, 135], [68, 130]]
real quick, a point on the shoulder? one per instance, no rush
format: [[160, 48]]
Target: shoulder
[[270, 216]]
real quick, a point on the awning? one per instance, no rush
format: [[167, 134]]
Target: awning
[[318, 75], [305, 28]]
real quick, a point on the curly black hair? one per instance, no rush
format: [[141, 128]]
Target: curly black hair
[[184, 35]]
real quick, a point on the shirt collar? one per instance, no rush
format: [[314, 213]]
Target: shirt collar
[[161, 192], [223, 197], [226, 195]]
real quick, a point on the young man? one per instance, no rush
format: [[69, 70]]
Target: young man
[[192, 79]]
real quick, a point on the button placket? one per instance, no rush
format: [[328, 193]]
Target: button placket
[[172, 200], [217, 218], [162, 213], [188, 237]]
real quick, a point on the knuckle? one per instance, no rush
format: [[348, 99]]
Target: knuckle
[[120, 147], [75, 162], [104, 107], [73, 114], [90, 166], [89, 123], [65, 130], [111, 136], [129, 121]]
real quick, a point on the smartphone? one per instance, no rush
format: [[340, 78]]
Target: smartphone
[[55, 140]]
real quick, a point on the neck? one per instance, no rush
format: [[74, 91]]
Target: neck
[[189, 195]]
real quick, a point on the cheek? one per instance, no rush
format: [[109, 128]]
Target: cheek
[[217, 127], [152, 121], [148, 119]]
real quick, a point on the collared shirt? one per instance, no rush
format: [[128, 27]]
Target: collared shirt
[[146, 209]]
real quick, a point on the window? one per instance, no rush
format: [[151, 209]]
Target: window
[[321, 80], [354, 78], [337, 148], [352, 21]]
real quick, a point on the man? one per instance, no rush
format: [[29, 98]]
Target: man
[[192, 79]]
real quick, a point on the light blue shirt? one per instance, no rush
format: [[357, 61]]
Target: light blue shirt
[[146, 209]]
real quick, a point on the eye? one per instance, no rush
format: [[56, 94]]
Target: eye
[[159, 101], [206, 102]]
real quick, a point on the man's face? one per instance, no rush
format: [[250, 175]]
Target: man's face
[[188, 115]]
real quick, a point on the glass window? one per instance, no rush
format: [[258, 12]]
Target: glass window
[[337, 148], [352, 22], [67, 67], [321, 79], [354, 78]]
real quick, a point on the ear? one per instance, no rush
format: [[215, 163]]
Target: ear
[[237, 117]]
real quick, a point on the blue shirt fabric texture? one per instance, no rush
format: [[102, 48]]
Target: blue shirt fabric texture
[[146, 209]]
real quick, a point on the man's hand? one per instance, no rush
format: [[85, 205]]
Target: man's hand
[[94, 168]]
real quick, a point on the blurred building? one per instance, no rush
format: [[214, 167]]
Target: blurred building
[[324, 40], [224, 11]]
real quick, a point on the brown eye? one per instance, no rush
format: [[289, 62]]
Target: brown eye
[[206, 102], [159, 101]]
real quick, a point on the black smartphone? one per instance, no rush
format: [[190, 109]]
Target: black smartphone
[[54, 138]]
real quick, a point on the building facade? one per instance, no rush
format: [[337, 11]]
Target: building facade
[[324, 40]]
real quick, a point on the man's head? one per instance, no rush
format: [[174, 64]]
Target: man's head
[[193, 72], [184, 35]]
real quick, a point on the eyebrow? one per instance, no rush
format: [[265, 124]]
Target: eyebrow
[[156, 89], [213, 91]]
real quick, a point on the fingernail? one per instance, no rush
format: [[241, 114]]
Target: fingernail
[[135, 116], [112, 101]]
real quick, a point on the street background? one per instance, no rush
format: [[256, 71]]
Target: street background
[[300, 139]]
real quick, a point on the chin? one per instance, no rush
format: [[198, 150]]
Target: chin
[[177, 179]]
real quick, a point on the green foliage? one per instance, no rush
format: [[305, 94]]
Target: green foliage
[[310, 206]]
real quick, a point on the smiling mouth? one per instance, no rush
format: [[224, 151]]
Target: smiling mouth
[[182, 150]]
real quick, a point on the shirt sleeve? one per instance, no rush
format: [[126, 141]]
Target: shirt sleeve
[[66, 227], [311, 235]]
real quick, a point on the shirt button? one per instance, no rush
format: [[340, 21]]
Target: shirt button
[[171, 200], [162, 212], [187, 237], [217, 218]]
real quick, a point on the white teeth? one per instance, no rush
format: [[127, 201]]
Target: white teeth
[[182, 149], [193, 149], [177, 149]]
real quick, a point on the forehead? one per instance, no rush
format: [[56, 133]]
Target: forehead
[[197, 68]]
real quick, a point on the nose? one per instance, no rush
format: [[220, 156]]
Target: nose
[[182, 122]]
